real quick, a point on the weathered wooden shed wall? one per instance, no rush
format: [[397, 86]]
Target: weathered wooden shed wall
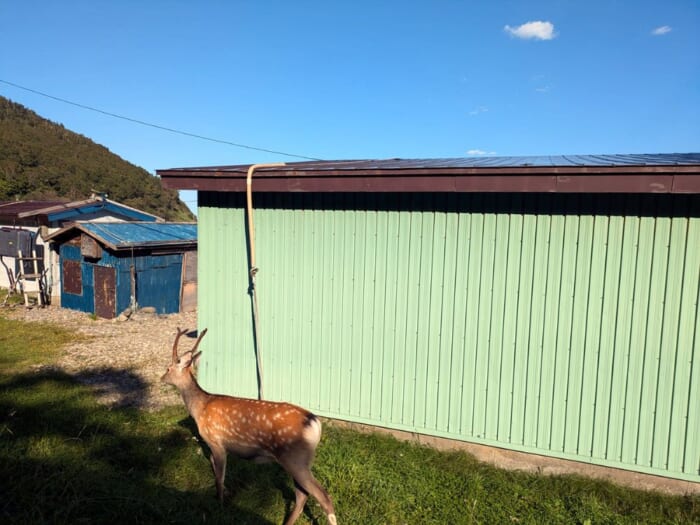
[[565, 325]]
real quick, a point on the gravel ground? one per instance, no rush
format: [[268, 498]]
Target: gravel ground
[[121, 360]]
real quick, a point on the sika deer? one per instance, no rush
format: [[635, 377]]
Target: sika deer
[[251, 429]]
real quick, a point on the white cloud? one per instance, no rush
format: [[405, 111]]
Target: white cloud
[[662, 30], [480, 152], [543, 89], [537, 30], [478, 109]]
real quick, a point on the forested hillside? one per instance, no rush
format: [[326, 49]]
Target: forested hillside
[[40, 159]]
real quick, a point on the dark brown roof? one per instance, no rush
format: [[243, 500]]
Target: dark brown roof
[[24, 208], [658, 173]]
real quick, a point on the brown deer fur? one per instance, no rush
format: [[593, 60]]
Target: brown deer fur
[[251, 429]]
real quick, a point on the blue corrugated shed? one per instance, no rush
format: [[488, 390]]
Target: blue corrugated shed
[[109, 267]]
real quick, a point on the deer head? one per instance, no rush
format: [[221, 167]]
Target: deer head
[[180, 373]]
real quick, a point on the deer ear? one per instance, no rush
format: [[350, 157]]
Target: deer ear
[[195, 359], [185, 360]]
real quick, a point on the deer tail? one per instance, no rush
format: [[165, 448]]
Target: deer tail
[[312, 430]]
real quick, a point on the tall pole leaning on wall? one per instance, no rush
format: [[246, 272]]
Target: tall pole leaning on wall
[[253, 270]]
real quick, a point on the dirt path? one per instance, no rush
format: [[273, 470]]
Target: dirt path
[[121, 360]]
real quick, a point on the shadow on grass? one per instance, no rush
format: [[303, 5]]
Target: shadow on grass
[[66, 459], [244, 476], [119, 388]]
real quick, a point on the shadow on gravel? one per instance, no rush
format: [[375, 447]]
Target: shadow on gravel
[[114, 387]]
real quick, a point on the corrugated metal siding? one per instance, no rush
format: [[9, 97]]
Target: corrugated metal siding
[[85, 301], [538, 161], [141, 234], [158, 280], [562, 325]]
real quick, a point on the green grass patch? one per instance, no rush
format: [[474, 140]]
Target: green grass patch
[[7, 299], [66, 459], [24, 344]]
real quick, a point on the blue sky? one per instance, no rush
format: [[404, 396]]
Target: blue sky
[[351, 80]]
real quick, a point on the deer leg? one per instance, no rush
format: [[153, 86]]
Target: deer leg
[[301, 473], [218, 465], [319, 493], [301, 496]]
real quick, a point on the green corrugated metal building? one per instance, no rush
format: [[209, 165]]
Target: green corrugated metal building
[[540, 304]]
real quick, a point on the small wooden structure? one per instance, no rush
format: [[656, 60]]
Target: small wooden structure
[[107, 268]]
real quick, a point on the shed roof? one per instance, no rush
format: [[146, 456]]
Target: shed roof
[[128, 235], [633, 173], [25, 208], [43, 212]]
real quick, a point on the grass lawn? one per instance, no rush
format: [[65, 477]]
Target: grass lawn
[[66, 459]]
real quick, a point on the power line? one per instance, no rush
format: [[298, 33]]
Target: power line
[[156, 126]]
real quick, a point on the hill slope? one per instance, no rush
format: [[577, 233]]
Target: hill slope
[[40, 159]]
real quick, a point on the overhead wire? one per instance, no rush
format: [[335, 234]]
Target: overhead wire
[[253, 269], [157, 126]]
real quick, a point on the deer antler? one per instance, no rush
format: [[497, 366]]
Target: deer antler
[[194, 349], [180, 333]]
